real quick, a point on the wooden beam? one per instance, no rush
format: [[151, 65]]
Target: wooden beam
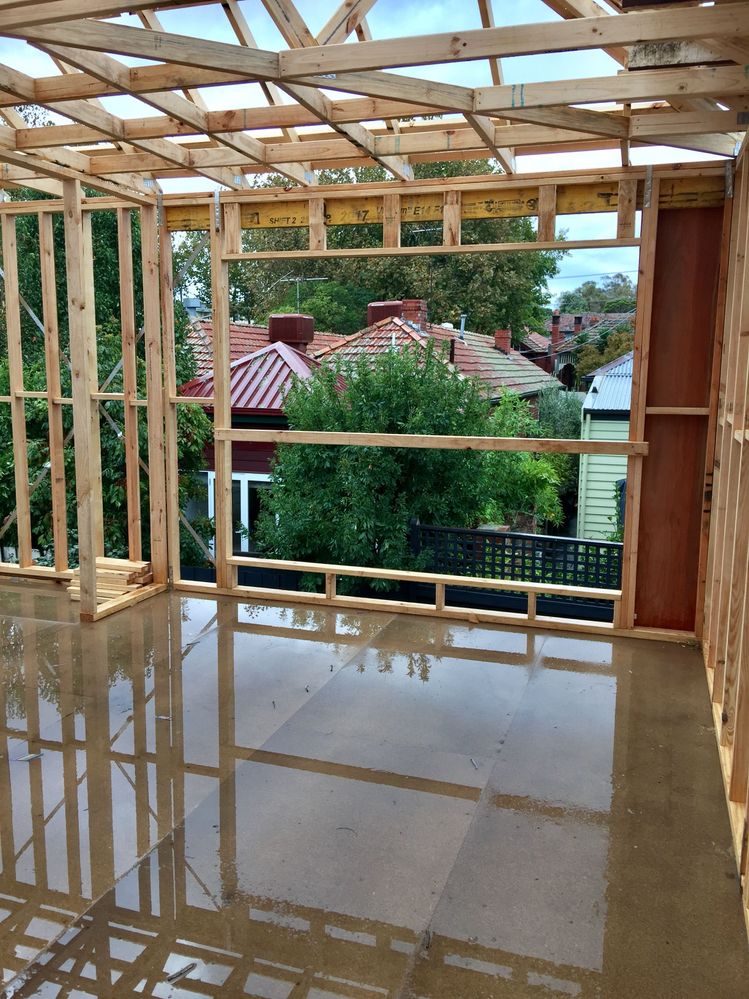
[[344, 21], [641, 86], [405, 251], [532, 445], [15, 14], [516, 40]]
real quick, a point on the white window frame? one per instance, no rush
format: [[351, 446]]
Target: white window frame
[[245, 479]]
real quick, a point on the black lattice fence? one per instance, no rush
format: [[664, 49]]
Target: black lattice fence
[[530, 558]]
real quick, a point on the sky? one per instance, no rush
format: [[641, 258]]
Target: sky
[[400, 18]]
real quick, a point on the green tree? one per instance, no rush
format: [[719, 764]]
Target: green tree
[[615, 293], [353, 505], [559, 414], [495, 290], [592, 356]]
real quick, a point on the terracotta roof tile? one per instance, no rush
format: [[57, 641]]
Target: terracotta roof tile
[[243, 339], [474, 354]]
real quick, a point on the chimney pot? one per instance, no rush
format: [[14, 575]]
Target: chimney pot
[[503, 340], [293, 329], [578, 324]]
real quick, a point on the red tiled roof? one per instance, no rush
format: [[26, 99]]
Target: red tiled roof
[[535, 341], [259, 381], [243, 339], [474, 354]]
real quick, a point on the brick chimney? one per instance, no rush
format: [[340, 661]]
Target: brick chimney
[[578, 326], [415, 311], [503, 340], [383, 310], [293, 329], [556, 330]]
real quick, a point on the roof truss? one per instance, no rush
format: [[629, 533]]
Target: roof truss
[[383, 117]]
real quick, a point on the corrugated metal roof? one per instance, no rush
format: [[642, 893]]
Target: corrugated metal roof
[[243, 340], [611, 388], [258, 382], [474, 354]]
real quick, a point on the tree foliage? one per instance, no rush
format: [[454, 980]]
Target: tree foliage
[[559, 414], [592, 355], [615, 293], [506, 290], [353, 505]]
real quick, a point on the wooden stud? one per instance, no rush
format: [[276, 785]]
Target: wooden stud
[[15, 373], [221, 404], [391, 220], [451, 218], [156, 445], [547, 213], [170, 395], [233, 232], [639, 399], [625, 212], [88, 275], [129, 381], [318, 233], [85, 409]]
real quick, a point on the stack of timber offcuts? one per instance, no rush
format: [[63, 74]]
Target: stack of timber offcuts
[[114, 578]]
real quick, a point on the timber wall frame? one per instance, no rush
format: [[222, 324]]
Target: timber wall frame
[[654, 192], [726, 632]]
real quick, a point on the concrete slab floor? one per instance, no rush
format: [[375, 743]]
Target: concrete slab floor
[[211, 798]]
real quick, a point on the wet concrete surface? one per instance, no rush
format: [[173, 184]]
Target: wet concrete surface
[[281, 802]]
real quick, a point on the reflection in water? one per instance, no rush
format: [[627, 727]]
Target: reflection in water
[[204, 798]]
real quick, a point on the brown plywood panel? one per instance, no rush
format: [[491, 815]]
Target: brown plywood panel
[[681, 347], [670, 522], [684, 299]]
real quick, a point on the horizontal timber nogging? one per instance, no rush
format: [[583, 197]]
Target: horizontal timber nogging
[[534, 445]]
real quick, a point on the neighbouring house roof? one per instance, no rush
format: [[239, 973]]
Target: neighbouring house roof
[[567, 319], [611, 388], [259, 381], [535, 341], [473, 354], [243, 339]]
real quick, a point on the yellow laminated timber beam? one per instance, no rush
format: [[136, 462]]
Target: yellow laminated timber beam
[[500, 200]]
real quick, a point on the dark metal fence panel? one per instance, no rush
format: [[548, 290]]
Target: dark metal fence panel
[[530, 558]]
